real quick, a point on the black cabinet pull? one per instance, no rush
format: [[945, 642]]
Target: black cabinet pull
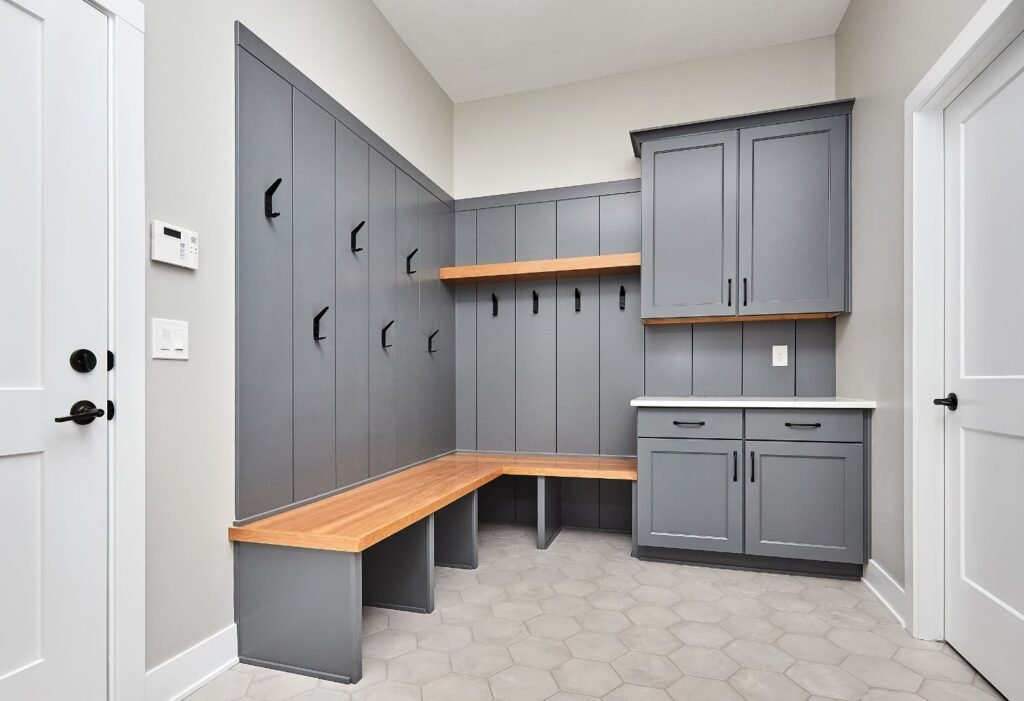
[[790, 424], [494, 304], [744, 292], [751, 466], [268, 200], [384, 335], [622, 298], [316, 325], [735, 466], [355, 233], [577, 294], [536, 302], [693, 424], [729, 303], [408, 262], [430, 341]]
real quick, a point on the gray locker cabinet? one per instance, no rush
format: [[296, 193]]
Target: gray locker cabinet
[[351, 309], [465, 335], [793, 219], [621, 362], [313, 254], [383, 354], [805, 500], [578, 366], [446, 339], [690, 494], [431, 393], [264, 291], [688, 263], [406, 328]]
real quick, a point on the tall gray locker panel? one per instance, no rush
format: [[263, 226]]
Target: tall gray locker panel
[[406, 328], [578, 227], [578, 371], [445, 341], [717, 360], [383, 356], [465, 335], [535, 333], [622, 363], [314, 332], [689, 226], [793, 194], [264, 290], [496, 335], [431, 394], [761, 377], [620, 223], [351, 308]]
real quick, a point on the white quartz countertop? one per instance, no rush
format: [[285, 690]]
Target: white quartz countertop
[[754, 402]]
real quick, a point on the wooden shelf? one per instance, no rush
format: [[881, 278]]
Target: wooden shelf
[[541, 269], [734, 319]]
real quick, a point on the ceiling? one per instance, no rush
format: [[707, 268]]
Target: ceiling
[[483, 48]]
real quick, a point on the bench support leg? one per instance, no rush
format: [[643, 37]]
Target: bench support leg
[[398, 572], [549, 510], [300, 610], [455, 529], [633, 531]]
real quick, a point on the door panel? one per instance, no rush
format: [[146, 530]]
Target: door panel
[[407, 326], [690, 494], [383, 353], [793, 193], [689, 226]]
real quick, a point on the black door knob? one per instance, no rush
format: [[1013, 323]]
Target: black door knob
[[83, 412], [949, 401], [83, 360]]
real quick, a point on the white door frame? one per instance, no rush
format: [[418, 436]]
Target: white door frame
[[997, 23]]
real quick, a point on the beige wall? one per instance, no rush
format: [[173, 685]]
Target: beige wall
[[579, 133], [349, 50], [883, 48]]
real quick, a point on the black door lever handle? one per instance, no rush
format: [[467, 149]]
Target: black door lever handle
[[83, 412], [268, 200], [430, 341], [316, 325], [950, 401], [384, 335], [355, 232], [408, 262]]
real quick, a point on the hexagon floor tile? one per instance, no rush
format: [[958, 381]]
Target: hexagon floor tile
[[583, 620]]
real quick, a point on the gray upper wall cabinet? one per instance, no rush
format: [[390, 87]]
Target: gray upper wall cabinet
[[747, 216]]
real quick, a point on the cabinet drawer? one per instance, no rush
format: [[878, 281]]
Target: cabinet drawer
[[829, 425], [689, 423]]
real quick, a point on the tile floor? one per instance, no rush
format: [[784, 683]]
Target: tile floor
[[584, 621]]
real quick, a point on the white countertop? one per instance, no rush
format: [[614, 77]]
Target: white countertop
[[754, 402]]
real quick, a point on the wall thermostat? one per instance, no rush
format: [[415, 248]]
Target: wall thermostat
[[175, 245]]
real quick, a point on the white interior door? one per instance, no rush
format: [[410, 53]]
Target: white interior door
[[984, 301], [53, 301]]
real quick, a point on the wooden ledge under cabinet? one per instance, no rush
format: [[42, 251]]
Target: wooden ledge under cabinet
[[540, 269], [733, 319]]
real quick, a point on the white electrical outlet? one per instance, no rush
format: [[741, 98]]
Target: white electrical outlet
[[780, 356]]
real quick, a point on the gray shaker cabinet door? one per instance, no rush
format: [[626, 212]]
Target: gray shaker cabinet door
[[793, 200], [622, 362], [406, 328], [313, 297], [805, 500], [383, 337], [690, 494], [578, 399], [688, 231], [264, 287], [351, 308]]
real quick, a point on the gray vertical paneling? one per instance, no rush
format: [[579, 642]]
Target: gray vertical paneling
[[581, 503], [815, 358], [351, 307], [496, 335], [264, 282], [578, 371], [760, 377], [465, 336], [620, 223], [717, 360], [622, 363], [446, 338], [615, 508], [535, 231], [406, 328], [383, 367], [496, 235], [578, 227], [668, 360], [431, 394], [313, 255]]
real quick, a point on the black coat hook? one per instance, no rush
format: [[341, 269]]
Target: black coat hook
[[408, 262], [268, 200], [622, 298], [494, 304], [430, 341], [577, 293], [384, 335], [316, 325], [355, 232], [536, 302]]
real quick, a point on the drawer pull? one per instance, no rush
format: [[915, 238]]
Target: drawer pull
[[790, 424], [751, 466], [689, 424], [735, 467]]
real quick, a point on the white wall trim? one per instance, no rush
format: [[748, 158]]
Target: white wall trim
[[994, 26], [887, 590], [189, 670]]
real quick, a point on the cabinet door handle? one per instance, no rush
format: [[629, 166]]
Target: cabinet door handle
[[735, 466], [268, 200], [751, 466], [408, 262], [744, 292], [384, 335], [790, 424], [494, 304], [694, 424], [577, 295], [729, 303], [430, 341], [536, 302], [622, 298], [316, 325], [355, 233]]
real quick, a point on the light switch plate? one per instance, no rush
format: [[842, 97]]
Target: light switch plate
[[780, 356], [170, 339]]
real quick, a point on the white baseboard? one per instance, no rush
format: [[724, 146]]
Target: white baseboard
[[891, 594], [186, 672]]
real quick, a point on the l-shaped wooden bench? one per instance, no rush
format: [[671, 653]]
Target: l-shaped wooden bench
[[303, 575]]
